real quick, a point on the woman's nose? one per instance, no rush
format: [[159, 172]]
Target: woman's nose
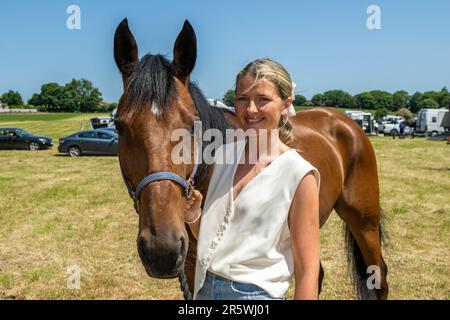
[[251, 107]]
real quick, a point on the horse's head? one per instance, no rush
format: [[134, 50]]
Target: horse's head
[[155, 102]]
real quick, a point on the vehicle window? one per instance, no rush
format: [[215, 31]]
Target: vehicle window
[[433, 119], [104, 135], [88, 134], [22, 132], [11, 132]]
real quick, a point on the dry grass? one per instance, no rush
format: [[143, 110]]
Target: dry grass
[[56, 211]]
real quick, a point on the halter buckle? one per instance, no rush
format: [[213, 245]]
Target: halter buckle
[[190, 188]]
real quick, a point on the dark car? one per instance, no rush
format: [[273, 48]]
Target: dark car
[[16, 138], [109, 129], [93, 142]]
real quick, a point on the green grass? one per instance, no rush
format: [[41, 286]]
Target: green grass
[[36, 116], [54, 125], [56, 211]]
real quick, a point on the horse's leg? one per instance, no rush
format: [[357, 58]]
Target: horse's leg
[[359, 207]]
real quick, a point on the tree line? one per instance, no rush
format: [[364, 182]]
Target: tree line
[[382, 101], [75, 96]]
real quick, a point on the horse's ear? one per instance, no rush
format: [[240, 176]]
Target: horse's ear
[[185, 50], [125, 48]]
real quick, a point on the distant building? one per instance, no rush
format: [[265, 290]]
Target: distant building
[[3, 105]]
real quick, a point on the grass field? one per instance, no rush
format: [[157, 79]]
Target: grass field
[[56, 211]]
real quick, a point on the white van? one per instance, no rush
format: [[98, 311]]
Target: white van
[[429, 121]]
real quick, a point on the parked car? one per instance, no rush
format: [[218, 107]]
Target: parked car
[[110, 129], [16, 138], [392, 126], [92, 142]]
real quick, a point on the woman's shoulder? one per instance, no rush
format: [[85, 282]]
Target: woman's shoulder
[[301, 166], [298, 158]]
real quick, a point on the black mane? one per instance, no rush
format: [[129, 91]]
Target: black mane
[[151, 80]]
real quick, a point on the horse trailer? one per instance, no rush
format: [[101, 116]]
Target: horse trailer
[[429, 121]]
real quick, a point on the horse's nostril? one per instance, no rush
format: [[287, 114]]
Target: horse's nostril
[[143, 251]]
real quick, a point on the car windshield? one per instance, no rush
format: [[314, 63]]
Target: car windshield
[[22, 132]]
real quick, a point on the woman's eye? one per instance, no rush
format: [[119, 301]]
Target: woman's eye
[[263, 100]]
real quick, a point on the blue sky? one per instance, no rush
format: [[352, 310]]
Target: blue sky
[[323, 44]]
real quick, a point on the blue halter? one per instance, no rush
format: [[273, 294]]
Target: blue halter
[[188, 184]]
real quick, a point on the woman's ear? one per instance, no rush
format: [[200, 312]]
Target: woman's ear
[[286, 105]]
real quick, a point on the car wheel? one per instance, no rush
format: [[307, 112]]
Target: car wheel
[[394, 132], [33, 146], [433, 133], [74, 151]]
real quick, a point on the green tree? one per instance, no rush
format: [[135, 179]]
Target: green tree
[[405, 113], [415, 101], [399, 100], [229, 98], [81, 96], [383, 99], [317, 100], [429, 104], [443, 98], [380, 113], [112, 106], [12, 98], [364, 100], [52, 97], [300, 100], [338, 99]]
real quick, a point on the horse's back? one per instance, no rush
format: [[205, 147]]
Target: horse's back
[[334, 144]]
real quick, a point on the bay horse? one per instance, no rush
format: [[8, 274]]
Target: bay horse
[[159, 98]]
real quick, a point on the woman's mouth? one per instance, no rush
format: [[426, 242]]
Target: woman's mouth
[[253, 121]]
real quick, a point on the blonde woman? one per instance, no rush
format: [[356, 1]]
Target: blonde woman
[[259, 226]]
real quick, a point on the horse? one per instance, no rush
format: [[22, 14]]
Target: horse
[[159, 97]]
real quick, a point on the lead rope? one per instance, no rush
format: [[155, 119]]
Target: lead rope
[[198, 158], [184, 286]]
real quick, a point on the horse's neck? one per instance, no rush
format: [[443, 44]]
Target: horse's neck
[[232, 119], [204, 182]]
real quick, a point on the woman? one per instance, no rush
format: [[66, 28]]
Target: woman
[[260, 222]]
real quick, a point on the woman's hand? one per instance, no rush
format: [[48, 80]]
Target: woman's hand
[[193, 212], [193, 207]]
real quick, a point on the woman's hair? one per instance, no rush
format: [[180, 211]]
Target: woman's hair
[[274, 72]]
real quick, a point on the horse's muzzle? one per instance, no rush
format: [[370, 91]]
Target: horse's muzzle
[[162, 258]]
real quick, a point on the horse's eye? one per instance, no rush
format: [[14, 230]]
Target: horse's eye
[[119, 127]]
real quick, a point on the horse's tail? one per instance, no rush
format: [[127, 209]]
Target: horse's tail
[[357, 267]]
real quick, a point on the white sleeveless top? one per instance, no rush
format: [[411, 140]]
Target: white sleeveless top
[[248, 240]]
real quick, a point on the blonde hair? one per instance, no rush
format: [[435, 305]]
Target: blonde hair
[[274, 72]]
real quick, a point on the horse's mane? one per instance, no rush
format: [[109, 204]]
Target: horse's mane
[[152, 79]]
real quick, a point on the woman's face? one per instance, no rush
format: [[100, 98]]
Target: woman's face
[[258, 105]]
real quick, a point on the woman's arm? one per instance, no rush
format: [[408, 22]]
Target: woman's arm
[[193, 212], [305, 238]]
